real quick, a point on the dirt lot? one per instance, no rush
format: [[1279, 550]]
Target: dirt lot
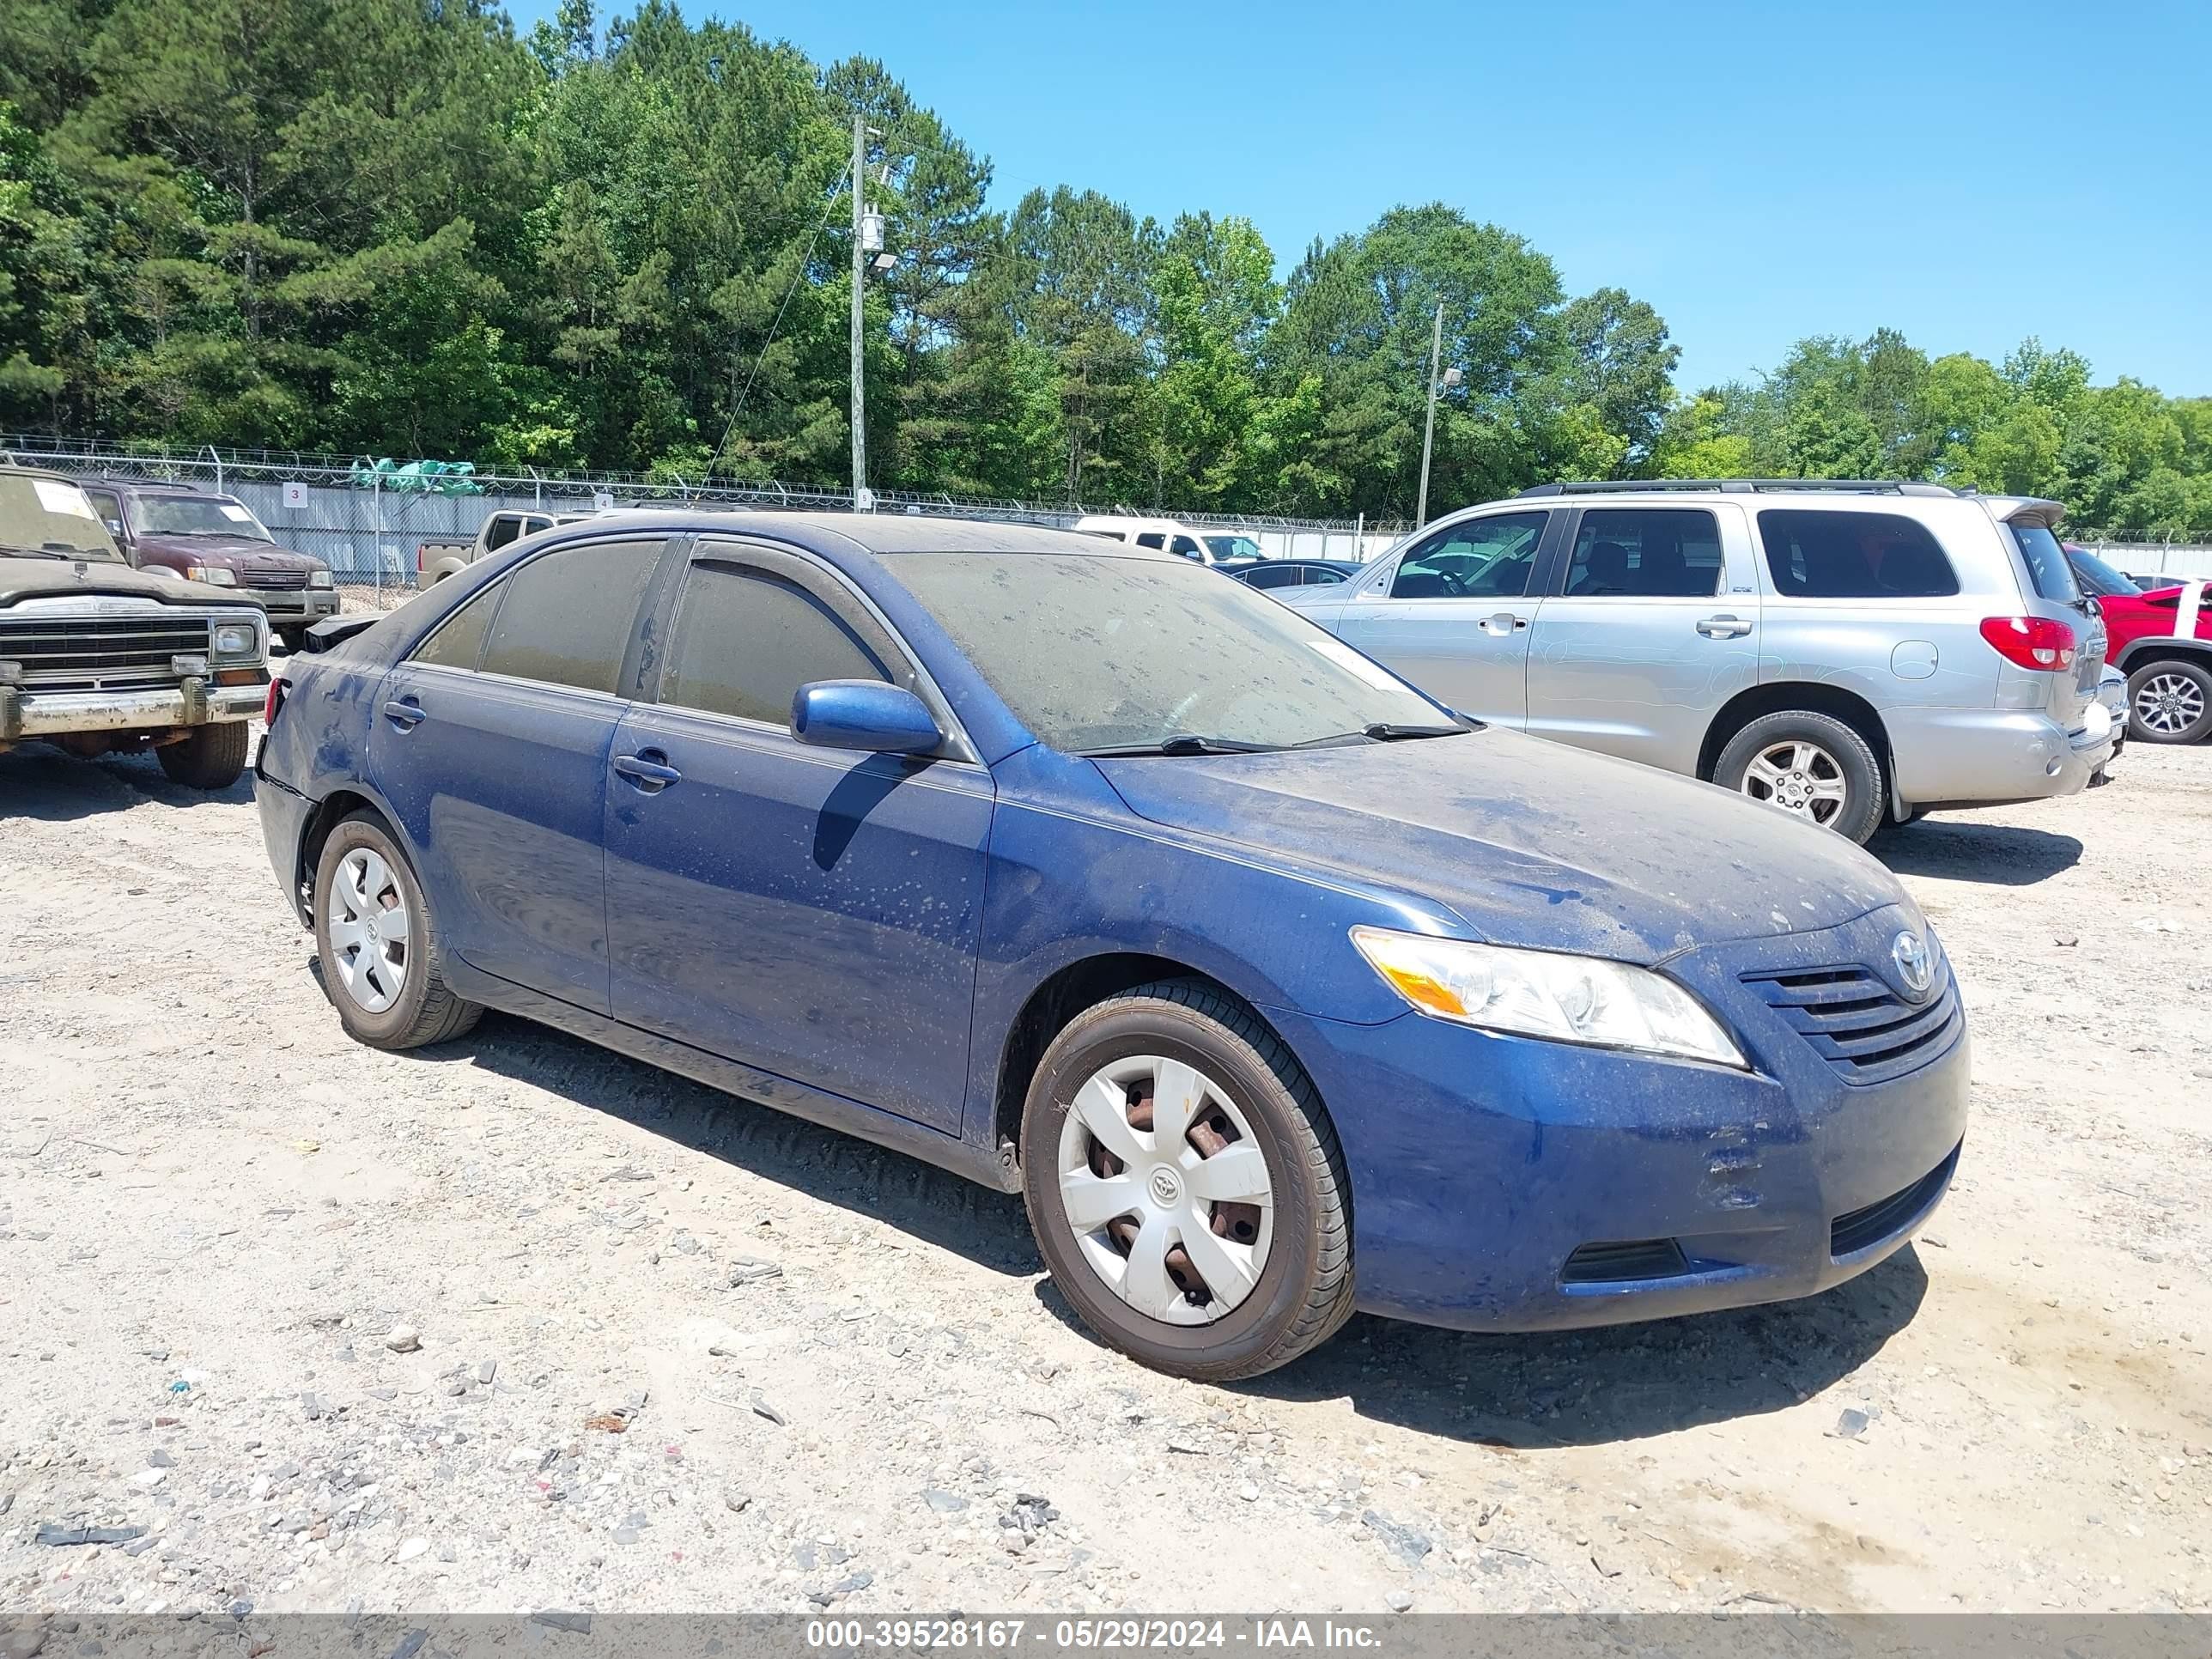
[[217, 1211]]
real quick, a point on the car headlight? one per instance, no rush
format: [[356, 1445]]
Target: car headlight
[[237, 639], [321, 578], [213, 576], [1546, 993]]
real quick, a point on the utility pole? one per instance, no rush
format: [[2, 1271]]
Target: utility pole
[[861, 497], [1428, 436]]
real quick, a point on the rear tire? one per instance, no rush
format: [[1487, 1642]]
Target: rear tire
[[1812, 766], [384, 968], [1266, 1281], [212, 757], [2170, 701]]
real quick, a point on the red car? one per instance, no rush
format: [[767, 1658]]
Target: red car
[[2161, 640]]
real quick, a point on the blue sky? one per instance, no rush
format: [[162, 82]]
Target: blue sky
[[1970, 171]]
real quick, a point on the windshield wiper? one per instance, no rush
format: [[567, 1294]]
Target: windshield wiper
[[1391, 732], [1182, 742], [71, 554], [1384, 732]]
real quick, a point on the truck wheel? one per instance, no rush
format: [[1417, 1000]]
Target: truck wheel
[[384, 967], [1185, 1186], [2170, 702], [1810, 765], [213, 757]]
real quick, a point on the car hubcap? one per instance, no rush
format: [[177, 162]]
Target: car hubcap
[[1798, 777], [2169, 703], [367, 924], [1166, 1189]]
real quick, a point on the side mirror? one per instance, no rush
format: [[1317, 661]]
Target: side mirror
[[865, 715]]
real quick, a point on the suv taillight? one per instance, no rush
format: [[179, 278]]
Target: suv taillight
[[273, 702], [2031, 642]]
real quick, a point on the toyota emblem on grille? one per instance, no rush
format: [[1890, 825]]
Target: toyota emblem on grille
[[1915, 966]]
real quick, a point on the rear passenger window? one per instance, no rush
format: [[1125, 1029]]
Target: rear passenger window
[[1152, 538], [2047, 568], [569, 614], [1484, 559], [459, 640], [505, 527], [1650, 552], [1854, 556], [746, 640]]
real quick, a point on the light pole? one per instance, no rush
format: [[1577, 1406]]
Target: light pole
[[1448, 377], [868, 255]]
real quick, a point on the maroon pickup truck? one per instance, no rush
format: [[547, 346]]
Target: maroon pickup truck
[[216, 540]]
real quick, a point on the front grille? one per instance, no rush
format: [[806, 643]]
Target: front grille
[[1857, 1229], [1855, 1023], [98, 654], [274, 579], [1632, 1259]]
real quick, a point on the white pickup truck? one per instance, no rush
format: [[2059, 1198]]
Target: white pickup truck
[[435, 561]]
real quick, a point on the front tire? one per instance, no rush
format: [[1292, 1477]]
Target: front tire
[[1185, 1186], [2170, 702], [383, 964], [212, 757], [1811, 766]]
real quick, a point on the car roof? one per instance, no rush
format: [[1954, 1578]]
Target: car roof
[[882, 534], [2022, 509]]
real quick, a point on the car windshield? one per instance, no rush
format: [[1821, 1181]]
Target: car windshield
[[2099, 578], [2046, 563], [1233, 547], [196, 515], [1093, 653], [50, 516]]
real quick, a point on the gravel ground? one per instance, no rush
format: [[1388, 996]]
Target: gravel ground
[[517, 1323]]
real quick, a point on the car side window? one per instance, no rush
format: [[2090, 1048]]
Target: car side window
[[1645, 552], [1853, 556], [109, 505], [1489, 559], [1274, 575], [569, 614], [458, 643], [1152, 538], [1188, 547], [505, 527], [745, 639]]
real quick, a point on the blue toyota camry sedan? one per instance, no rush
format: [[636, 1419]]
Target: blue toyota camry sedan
[[1275, 987]]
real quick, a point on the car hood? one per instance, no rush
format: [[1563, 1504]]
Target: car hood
[[230, 552], [1532, 843], [41, 579]]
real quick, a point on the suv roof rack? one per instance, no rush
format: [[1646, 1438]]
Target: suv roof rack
[[1743, 486]]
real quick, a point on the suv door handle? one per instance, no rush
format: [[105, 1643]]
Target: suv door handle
[[1502, 622], [648, 770], [405, 712], [1723, 627]]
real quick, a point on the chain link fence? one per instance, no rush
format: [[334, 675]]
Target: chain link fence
[[369, 525]]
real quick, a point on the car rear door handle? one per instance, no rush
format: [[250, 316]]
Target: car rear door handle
[[1502, 622], [1723, 627], [648, 770], [405, 712]]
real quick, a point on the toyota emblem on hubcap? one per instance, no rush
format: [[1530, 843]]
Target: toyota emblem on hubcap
[[1914, 965], [1166, 1189]]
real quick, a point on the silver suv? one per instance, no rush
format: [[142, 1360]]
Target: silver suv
[[1850, 652]]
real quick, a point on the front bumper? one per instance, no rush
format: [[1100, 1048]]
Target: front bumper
[[29, 713], [1482, 1166], [288, 606], [1967, 757]]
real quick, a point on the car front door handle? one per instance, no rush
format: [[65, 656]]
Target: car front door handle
[[405, 712], [1723, 627], [648, 770], [1502, 623]]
